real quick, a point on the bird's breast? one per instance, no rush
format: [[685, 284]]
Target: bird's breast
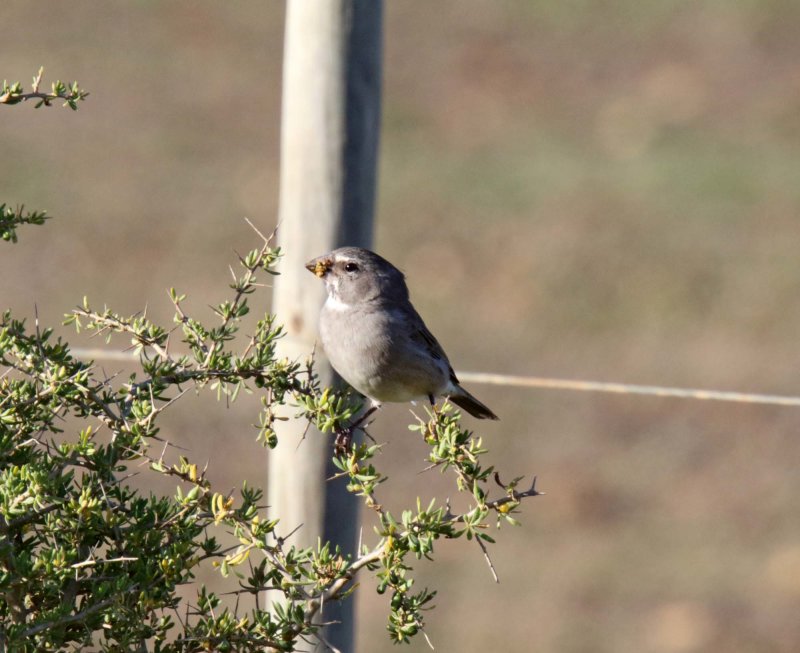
[[371, 349], [357, 341]]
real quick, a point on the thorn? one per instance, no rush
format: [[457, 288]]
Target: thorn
[[488, 559]]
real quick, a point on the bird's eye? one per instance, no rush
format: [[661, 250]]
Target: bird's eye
[[350, 267]]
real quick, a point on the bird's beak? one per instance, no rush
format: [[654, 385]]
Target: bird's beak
[[319, 266]]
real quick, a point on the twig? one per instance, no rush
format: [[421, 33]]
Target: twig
[[486, 556], [313, 606], [78, 616]]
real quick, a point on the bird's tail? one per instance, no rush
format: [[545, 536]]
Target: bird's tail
[[465, 400]]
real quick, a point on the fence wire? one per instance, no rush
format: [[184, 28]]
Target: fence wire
[[510, 380]]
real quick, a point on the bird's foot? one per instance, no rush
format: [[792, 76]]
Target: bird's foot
[[344, 441], [344, 437]]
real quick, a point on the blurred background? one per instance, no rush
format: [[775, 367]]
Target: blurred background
[[594, 190]]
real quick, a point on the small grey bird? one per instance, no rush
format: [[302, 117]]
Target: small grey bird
[[374, 337]]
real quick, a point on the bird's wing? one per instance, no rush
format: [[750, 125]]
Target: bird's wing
[[422, 336]]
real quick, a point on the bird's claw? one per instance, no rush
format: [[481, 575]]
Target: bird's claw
[[344, 437], [343, 443]]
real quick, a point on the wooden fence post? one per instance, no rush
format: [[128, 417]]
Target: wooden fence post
[[329, 145]]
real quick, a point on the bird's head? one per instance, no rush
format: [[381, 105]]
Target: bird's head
[[353, 275]]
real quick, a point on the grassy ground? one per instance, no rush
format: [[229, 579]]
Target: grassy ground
[[594, 190]]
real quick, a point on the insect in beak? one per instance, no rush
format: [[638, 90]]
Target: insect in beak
[[318, 266]]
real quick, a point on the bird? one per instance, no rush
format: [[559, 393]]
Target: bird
[[375, 339]]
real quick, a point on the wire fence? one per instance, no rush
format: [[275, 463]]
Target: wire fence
[[626, 388], [510, 380]]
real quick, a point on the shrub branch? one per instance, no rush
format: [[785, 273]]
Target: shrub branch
[[88, 560]]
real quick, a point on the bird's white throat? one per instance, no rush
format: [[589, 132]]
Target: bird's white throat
[[336, 304]]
